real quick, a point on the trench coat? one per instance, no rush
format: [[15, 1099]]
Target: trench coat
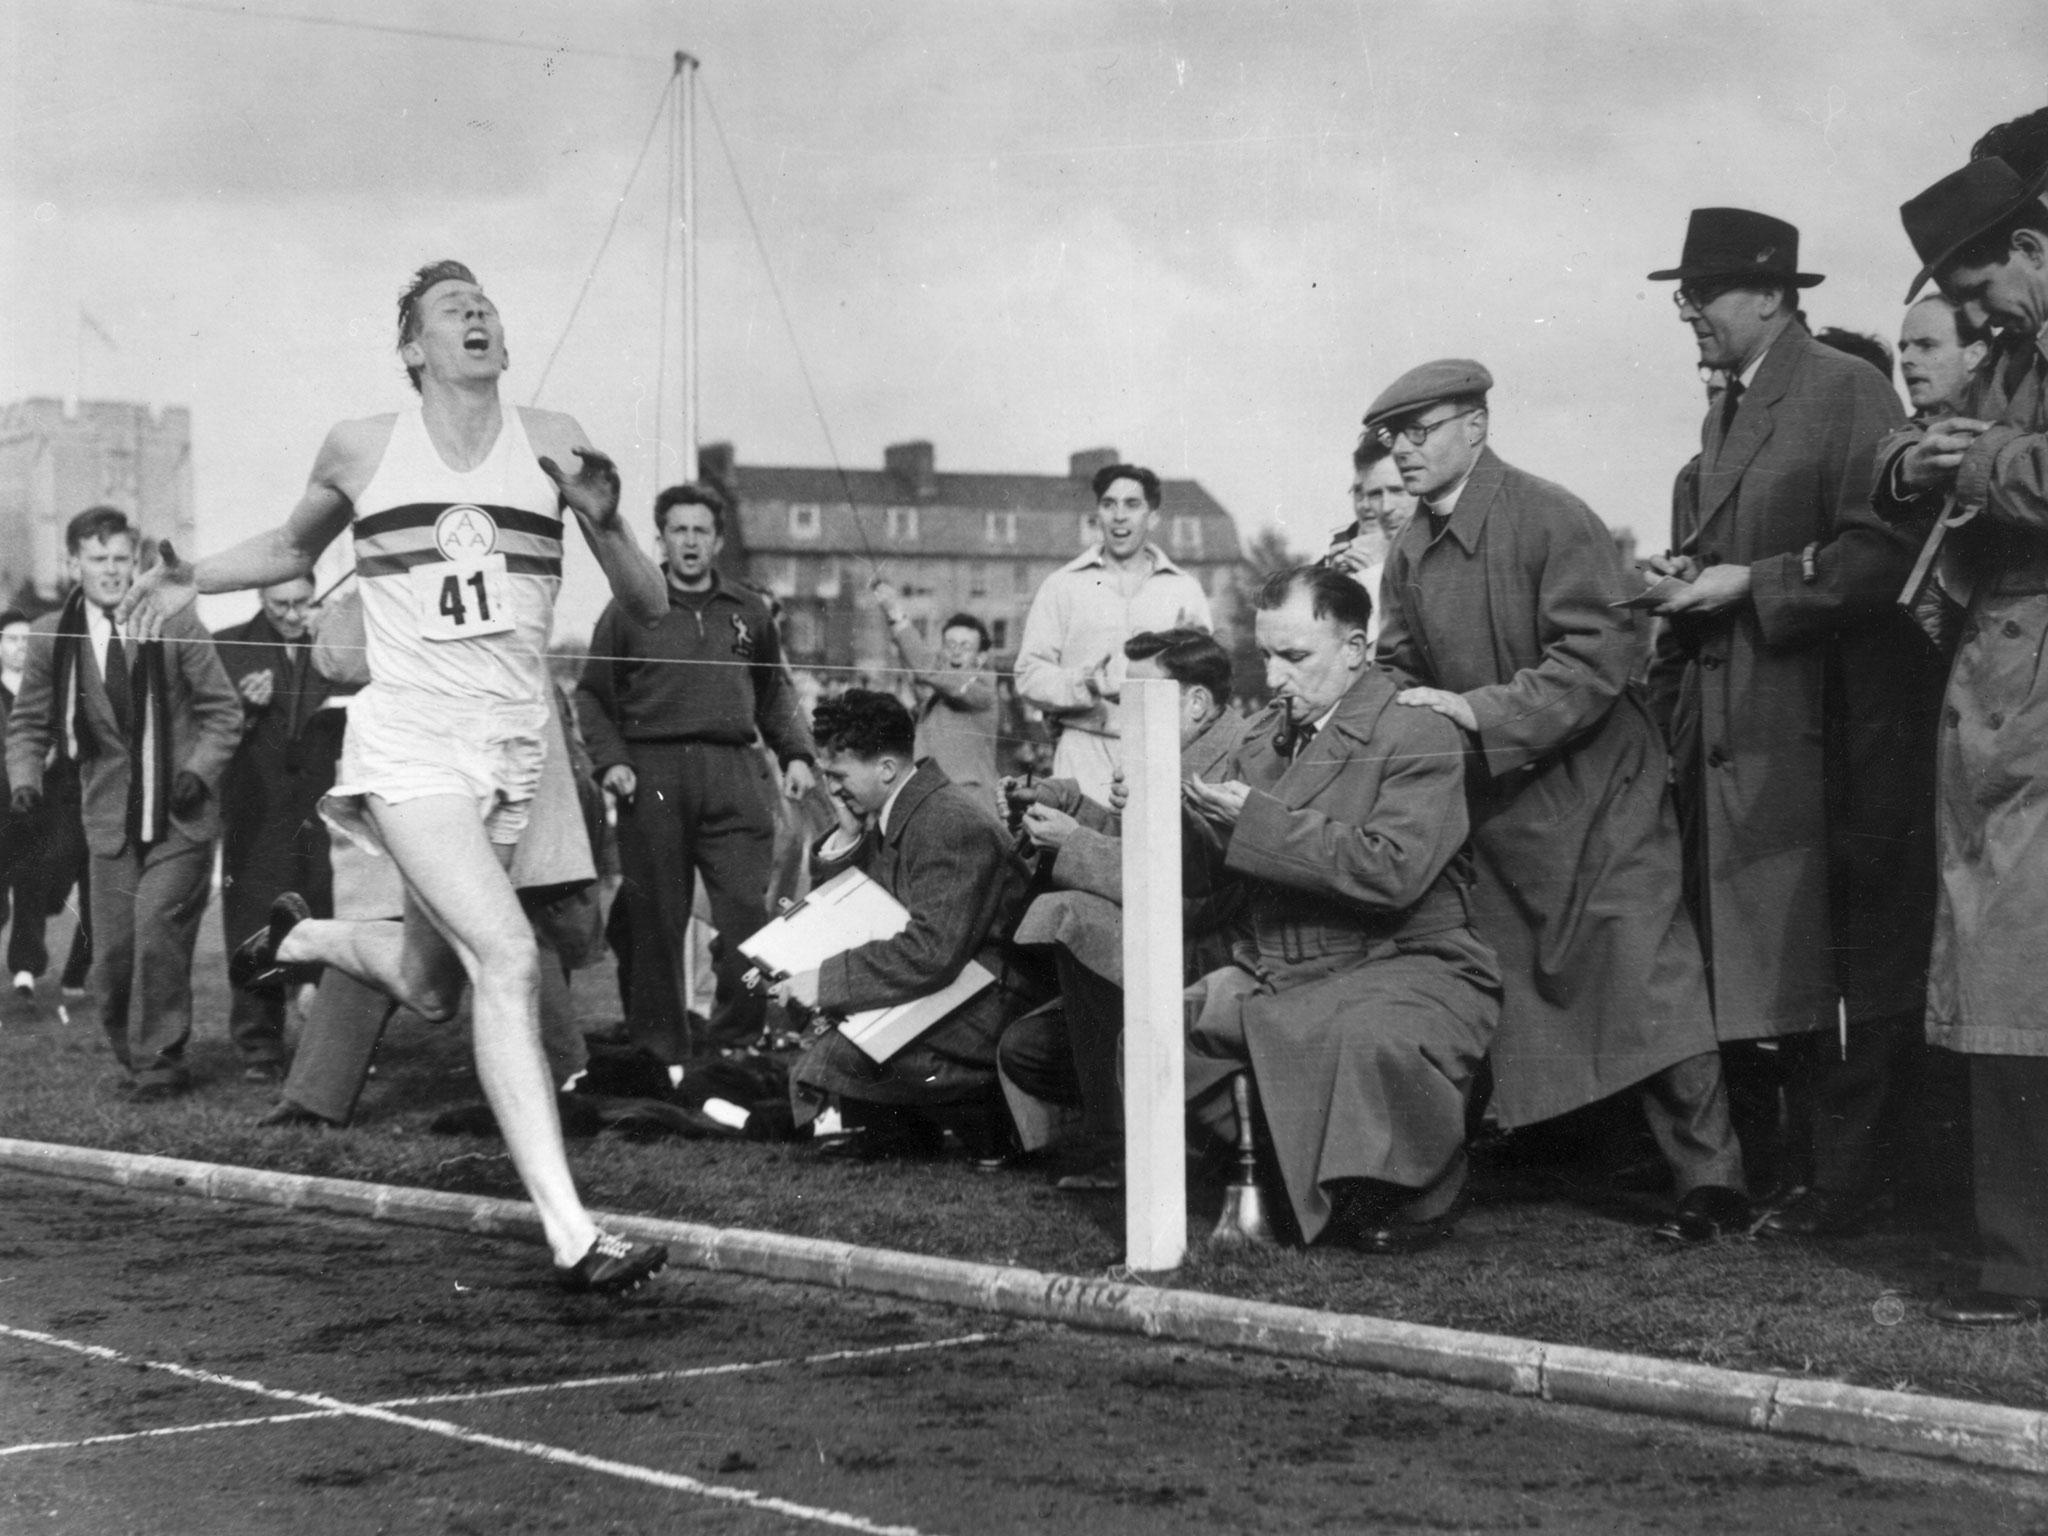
[[1364, 1002], [1986, 992], [1084, 911], [949, 862], [1796, 719], [1510, 603]]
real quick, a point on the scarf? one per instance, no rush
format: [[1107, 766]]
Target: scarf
[[148, 818]]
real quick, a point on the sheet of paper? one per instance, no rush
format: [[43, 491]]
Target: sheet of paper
[[882, 1032], [846, 911]]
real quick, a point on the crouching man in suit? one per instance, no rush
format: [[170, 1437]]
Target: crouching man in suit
[[942, 854], [1364, 1002]]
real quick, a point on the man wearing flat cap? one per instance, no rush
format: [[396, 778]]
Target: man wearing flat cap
[[1982, 234], [1502, 615], [1797, 705]]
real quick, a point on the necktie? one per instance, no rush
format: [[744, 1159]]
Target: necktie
[[1302, 737], [295, 668], [117, 681], [1731, 400]]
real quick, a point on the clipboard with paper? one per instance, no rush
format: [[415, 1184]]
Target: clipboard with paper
[[843, 913]]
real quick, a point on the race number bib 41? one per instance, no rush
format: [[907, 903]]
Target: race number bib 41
[[461, 599]]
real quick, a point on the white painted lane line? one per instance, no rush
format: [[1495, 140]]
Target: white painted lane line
[[168, 1429], [733, 1369], [560, 1456], [690, 1373]]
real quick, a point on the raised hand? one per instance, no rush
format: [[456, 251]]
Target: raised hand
[[164, 589], [592, 492]]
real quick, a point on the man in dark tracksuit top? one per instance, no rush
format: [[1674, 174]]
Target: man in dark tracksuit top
[[671, 714]]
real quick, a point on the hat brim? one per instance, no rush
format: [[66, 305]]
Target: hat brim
[[2030, 193], [1688, 274]]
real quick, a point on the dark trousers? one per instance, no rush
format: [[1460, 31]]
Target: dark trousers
[[1888, 1115], [1071, 1056], [145, 917], [24, 888], [697, 808], [2009, 1140], [266, 851]]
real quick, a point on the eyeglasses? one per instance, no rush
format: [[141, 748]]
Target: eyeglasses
[[1697, 296], [1416, 433]]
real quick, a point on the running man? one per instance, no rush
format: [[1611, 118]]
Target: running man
[[456, 509]]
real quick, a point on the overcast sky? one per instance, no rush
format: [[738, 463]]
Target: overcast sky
[[1206, 234]]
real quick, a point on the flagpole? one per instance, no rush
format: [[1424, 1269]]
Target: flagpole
[[686, 65]]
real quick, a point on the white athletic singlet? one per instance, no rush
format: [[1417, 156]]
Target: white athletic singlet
[[459, 569]]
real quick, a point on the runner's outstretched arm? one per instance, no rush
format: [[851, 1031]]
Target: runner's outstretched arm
[[284, 553]]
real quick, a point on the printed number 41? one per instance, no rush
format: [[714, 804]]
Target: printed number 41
[[452, 606]]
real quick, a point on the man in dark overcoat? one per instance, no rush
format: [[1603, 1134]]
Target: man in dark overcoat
[[272, 837], [936, 849], [1364, 1001], [1503, 615], [1983, 233], [1800, 700]]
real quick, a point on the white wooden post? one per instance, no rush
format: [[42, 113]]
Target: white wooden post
[[1155, 1167]]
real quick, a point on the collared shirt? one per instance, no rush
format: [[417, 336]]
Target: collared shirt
[[888, 805], [1081, 618]]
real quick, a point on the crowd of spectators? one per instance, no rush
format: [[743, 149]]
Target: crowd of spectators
[[1735, 859]]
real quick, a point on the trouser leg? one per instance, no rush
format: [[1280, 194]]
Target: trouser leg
[[170, 898], [1756, 1107], [561, 1033], [26, 861], [112, 979], [342, 1026], [1094, 1011], [1850, 1093], [256, 868], [734, 847], [2009, 1135], [1686, 1105], [658, 892]]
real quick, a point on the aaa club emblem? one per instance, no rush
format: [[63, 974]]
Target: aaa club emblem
[[465, 532]]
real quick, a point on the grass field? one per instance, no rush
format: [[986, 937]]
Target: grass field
[[1528, 1260]]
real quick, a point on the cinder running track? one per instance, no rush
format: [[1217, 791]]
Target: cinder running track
[[167, 1365]]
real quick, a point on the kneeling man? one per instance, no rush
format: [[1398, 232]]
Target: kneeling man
[[1364, 1002], [943, 854]]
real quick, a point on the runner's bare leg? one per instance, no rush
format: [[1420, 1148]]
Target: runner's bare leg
[[410, 963], [456, 879]]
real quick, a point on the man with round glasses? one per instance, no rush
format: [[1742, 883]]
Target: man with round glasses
[[1794, 692], [1503, 616]]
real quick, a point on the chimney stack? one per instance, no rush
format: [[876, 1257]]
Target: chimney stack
[[915, 467], [1083, 466]]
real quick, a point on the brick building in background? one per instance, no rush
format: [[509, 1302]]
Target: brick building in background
[[59, 457], [974, 543]]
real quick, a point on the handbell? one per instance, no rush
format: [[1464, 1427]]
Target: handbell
[[1244, 1208]]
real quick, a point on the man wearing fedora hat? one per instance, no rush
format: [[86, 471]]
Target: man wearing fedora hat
[[1982, 235], [1503, 614], [1794, 779]]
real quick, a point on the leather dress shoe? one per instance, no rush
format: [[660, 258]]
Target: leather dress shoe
[[254, 966], [884, 1142], [1711, 1211], [1983, 1309], [1815, 1213]]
